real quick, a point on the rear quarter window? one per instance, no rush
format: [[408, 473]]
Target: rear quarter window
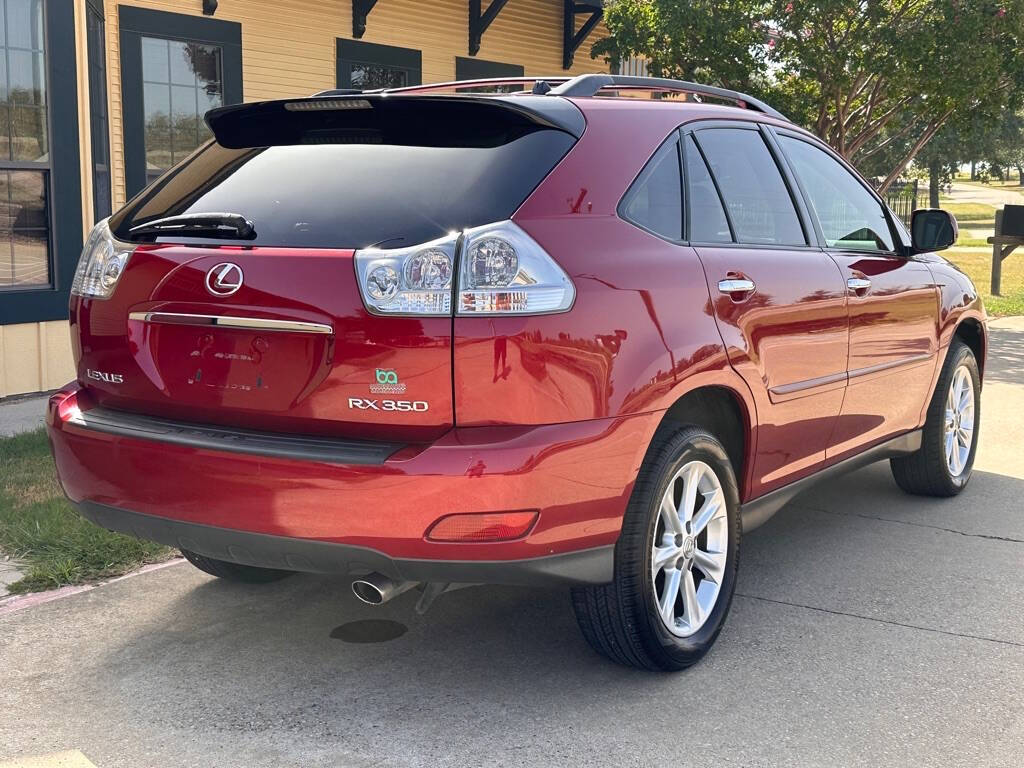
[[655, 200]]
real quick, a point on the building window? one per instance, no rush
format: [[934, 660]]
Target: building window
[[368, 65], [181, 81], [24, 148], [174, 68], [98, 120], [478, 69]]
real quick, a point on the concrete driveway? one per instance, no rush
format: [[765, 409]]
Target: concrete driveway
[[870, 628]]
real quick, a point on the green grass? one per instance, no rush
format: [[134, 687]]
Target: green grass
[[979, 266], [40, 530], [972, 212]]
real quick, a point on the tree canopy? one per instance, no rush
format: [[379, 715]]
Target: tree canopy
[[866, 76]]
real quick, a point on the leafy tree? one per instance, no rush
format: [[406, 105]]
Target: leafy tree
[[866, 76], [709, 40], [1005, 147]]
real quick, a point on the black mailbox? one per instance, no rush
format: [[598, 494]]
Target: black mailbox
[[1013, 221]]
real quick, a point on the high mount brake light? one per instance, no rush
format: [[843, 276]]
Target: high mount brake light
[[501, 270]]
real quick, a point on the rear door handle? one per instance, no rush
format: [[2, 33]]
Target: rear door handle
[[858, 283], [736, 285]]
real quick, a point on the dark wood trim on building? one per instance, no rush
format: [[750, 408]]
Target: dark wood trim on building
[[571, 39], [360, 10], [480, 20]]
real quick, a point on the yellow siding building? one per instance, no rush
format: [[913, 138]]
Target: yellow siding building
[[101, 96]]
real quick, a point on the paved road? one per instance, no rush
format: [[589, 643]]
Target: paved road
[[870, 628]]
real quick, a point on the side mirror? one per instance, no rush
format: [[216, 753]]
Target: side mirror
[[932, 229]]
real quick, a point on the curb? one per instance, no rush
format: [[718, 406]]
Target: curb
[[15, 603]]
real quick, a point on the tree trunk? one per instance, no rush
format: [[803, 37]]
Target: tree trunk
[[974, 171], [934, 169], [923, 139], [1020, 175]]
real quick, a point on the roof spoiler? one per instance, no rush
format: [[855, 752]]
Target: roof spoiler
[[376, 117]]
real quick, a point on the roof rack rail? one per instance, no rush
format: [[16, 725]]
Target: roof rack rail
[[589, 85], [483, 82]]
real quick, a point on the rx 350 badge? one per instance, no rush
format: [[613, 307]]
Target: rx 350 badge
[[387, 382]]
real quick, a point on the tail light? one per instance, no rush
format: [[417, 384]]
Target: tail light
[[499, 269], [408, 281], [100, 266]]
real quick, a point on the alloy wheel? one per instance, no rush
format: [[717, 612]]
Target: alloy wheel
[[689, 553], [958, 432]]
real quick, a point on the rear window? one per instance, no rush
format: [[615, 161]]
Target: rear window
[[387, 183]]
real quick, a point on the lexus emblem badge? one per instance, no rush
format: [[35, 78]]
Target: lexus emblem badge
[[224, 279]]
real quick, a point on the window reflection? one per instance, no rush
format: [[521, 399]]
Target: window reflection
[[24, 140], [181, 82], [24, 219], [369, 76]]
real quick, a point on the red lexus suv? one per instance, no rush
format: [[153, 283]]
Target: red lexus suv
[[432, 337]]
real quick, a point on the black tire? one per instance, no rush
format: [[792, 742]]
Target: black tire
[[620, 620], [926, 472], [247, 574]]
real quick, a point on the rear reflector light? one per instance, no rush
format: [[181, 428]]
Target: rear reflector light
[[501, 271], [485, 526], [63, 406]]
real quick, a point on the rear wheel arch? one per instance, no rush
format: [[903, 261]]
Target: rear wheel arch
[[722, 412]]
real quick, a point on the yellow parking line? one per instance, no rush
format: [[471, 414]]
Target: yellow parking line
[[71, 759]]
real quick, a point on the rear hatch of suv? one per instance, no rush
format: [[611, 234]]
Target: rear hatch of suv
[[240, 288]]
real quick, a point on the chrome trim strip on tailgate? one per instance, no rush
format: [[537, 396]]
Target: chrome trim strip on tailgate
[[231, 440], [223, 321]]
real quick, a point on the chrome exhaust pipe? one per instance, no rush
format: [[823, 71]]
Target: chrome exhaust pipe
[[377, 589]]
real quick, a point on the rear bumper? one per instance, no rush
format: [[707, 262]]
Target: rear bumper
[[589, 566], [320, 515]]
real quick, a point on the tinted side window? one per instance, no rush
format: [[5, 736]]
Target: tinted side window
[[708, 223], [655, 201], [759, 204], [849, 216]]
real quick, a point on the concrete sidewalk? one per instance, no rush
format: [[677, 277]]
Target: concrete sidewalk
[[22, 413]]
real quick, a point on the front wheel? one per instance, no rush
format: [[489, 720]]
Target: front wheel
[[942, 465], [675, 562]]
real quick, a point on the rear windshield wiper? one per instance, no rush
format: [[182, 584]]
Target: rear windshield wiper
[[231, 225]]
